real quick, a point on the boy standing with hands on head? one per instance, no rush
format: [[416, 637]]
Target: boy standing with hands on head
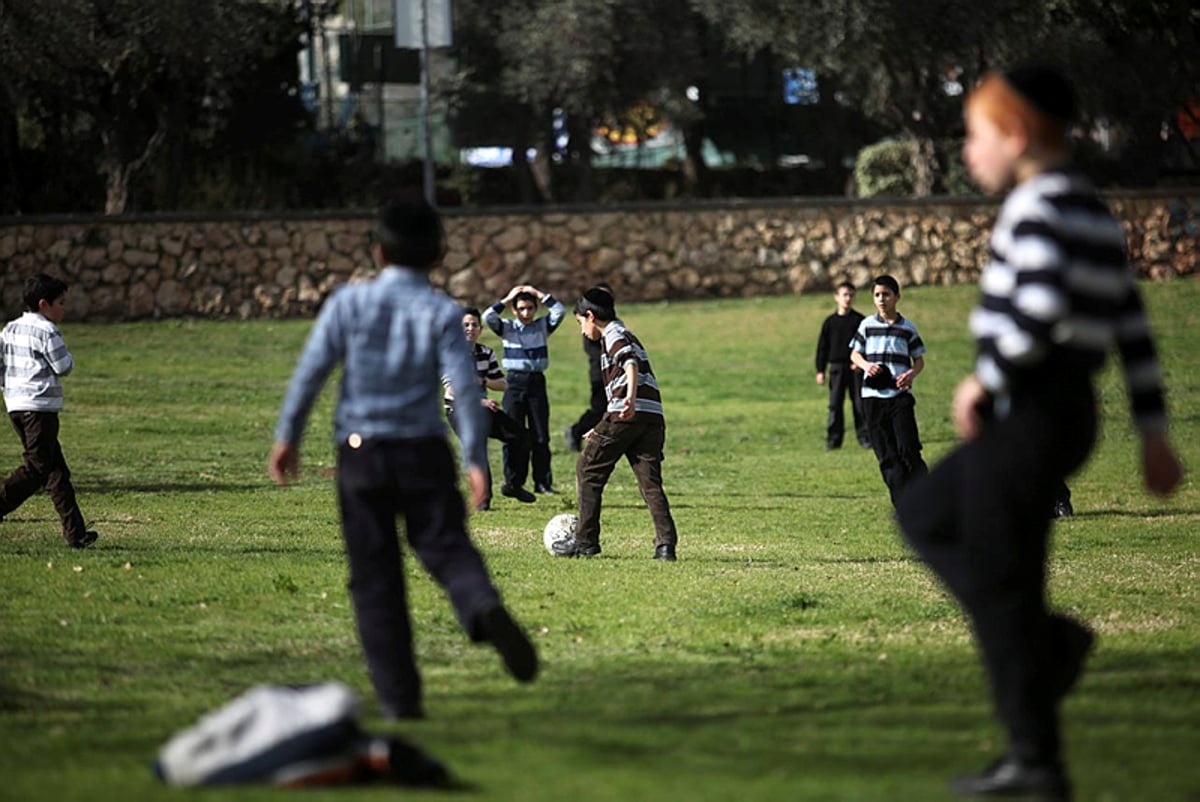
[[1057, 295], [890, 353], [633, 427], [525, 357], [833, 350], [33, 357]]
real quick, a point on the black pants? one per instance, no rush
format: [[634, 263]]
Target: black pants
[[500, 427], [42, 466], [597, 405], [892, 423], [979, 520], [843, 381], [642, 445], [526, 402], [416, 479]]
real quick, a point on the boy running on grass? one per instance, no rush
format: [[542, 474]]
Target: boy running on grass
[[396, 337], [890, 353], [1056, 296], [33, 357]]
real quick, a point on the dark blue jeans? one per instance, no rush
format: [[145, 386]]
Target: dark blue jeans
[[417, 480], [526, 402]]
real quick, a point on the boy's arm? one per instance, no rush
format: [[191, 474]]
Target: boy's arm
[[904, 380], [631, 387], [491, 317], [57, 356], [321, 353], [557, 312]]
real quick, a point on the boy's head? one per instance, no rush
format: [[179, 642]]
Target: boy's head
[[409, 232], [525, 306], [885, 292], [1014, 118], [472, 324], [843, 294], [594, 310], [47, 295]]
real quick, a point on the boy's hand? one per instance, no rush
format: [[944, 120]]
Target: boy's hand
[[970, 397], [1160, 465], [626, 412], [820, 378], [904, 380], [284, 463]]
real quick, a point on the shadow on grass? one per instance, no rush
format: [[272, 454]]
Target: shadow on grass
[[170, 487], [1133, 513]]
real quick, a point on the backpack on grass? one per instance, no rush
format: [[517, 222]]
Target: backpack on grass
[[291, 736]]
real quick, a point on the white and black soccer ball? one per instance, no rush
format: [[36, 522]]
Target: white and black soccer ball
[[560, 529]]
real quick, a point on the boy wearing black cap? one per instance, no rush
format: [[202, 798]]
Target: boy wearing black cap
[[1057, 295], [633, 427]]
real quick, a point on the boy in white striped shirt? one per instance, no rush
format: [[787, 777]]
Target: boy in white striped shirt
[[32, 358], [1057, 295]]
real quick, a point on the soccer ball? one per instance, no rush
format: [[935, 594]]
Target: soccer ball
[[560, 529]]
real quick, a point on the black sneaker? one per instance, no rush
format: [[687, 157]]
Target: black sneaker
[[88, 538], [1063, 509], [573, 548], [545, 490], [514, 647], [519, 493], [1009, 776], [665, 552]]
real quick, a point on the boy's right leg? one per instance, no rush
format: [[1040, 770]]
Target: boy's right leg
[[427, 480], [516, 453], [601, 453]]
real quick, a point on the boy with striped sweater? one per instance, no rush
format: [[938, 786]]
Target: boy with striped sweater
[[891, 354], [525, 357], [633, 427], [1057, 295]]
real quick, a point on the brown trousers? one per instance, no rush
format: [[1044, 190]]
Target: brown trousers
[[42, 466], [642, 444]]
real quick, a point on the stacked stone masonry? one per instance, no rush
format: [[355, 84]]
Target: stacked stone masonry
[[131, 268]]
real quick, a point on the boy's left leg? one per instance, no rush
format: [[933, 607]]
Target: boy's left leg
[[908, 440], [539, 434], [377, 582], [436, 523], [835, 426], [645, 457]]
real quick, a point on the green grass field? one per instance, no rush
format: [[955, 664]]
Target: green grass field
[[795, 652]]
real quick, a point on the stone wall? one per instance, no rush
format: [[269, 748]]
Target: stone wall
[[255, 265]]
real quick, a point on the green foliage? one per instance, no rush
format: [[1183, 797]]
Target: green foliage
[[796, 651], [888, 169]]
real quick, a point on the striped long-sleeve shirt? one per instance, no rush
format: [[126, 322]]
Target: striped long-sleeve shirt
[[32, 358], [894, 345], [1058, 293], [621, 347], [526, 348]]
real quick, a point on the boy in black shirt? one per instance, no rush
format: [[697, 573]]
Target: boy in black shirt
[[833, 349]]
